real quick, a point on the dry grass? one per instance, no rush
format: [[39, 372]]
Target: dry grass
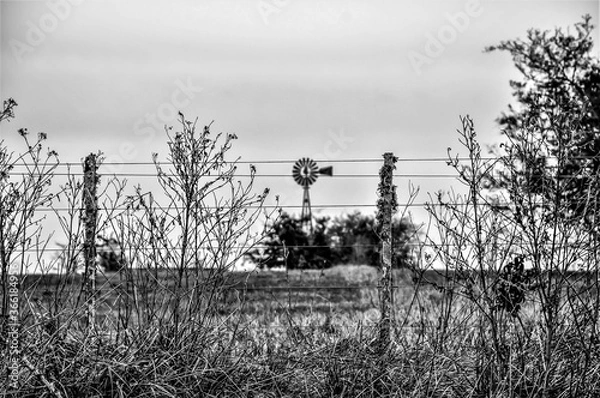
[[288, 343]]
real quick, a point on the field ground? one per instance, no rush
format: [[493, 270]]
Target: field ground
[[286, 334], [341, 293]]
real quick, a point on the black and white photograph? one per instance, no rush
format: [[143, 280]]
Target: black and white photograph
[[285, 198]]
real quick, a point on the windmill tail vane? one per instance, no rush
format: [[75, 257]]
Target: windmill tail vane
[[305, 173], [326, 171]]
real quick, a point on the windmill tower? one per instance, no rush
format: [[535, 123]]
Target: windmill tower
[[305, 173]]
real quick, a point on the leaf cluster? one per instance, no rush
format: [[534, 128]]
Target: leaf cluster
[[346, 239], [558, 105]]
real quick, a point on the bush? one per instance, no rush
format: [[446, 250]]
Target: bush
[[346, 239]]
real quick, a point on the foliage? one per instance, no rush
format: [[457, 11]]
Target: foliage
[[346, 239], [520, 267], [506, 316], [357, 241], [22, 193], [524, 238], [110, 255], [560, 87], [513, 283], [287, 244], [307, 349], [196, 229], [173, 250]]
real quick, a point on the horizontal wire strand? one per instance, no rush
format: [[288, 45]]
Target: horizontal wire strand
[[128, 248], [260, 175], [267, 207], [292, 161]]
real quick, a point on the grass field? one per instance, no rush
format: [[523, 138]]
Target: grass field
[[339, 292], [264, 322], [285, 334]]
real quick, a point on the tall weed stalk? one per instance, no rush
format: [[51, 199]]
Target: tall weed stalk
[[520, 266]]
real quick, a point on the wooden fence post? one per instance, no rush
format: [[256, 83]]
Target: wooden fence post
[[90, 216], [386, 207]]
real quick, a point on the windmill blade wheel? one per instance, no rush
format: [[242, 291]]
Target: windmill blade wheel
[[305, 172]]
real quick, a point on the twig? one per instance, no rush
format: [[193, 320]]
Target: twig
[[48, 384]]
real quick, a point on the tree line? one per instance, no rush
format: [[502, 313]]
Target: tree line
[[345, 239]]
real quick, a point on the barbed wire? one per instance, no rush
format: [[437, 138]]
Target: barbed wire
[[403, 245], [235, 175], [292, 161], [451, 203], [265, 207], [498, 206], [128, 247], [257, 175]]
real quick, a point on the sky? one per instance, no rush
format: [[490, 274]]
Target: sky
[[328, 80]]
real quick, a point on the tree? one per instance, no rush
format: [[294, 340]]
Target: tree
[[347, 239], [357, 242], [508, 267], [288, 245], [110, 254], [559, 98], [529, 219], [355, 239]]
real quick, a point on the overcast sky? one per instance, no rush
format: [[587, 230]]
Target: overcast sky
[[331, 80]]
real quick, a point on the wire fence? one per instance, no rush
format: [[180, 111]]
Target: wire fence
[[283, 172], [292, 161], [106, 288]]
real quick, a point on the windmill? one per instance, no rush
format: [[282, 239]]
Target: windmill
[[305, 173]]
